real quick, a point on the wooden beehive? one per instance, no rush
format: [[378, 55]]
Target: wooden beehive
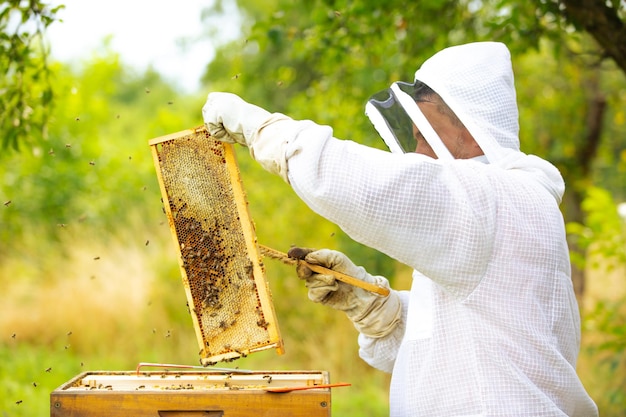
[[191, 394], [223, 276]]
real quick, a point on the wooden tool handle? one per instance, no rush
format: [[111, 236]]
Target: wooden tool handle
[[273, 253], [348, 279]]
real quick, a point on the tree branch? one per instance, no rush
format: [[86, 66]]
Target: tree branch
[[602, 22]]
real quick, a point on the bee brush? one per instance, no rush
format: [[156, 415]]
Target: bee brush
[[286, 259]]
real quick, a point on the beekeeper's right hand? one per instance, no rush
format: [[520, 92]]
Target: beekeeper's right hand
[[231, 119], [372, 314]]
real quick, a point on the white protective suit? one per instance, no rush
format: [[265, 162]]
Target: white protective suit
[[491, 325]]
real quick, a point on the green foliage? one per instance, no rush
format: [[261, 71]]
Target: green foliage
[[605, 327], [603, 234], [603, 237], [26, 93], [95, 163]]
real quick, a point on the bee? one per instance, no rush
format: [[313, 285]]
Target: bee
[[69, 333], [68, 145], [147, 242], [51, 152], [96, 258], [6, 203], [35, 384], [77, 119], [269, 378], [147, 90], [49, 369], [18, 402], [92, 163]]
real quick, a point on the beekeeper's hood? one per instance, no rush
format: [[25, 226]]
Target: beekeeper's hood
[[476, 81]]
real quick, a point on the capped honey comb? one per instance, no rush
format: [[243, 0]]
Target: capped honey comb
[[224, 278]]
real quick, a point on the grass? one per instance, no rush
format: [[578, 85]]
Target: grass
[[85, 304]]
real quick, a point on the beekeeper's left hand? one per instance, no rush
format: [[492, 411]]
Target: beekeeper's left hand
[[372, 314]]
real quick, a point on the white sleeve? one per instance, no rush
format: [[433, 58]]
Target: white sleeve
[[435, 217], [381, 353]]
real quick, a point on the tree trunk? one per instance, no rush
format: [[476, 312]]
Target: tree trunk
[[584, 158]]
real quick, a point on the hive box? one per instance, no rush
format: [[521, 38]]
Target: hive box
[[191, 394]]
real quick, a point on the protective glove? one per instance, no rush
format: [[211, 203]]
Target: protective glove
[[372, 314], [230, 119]]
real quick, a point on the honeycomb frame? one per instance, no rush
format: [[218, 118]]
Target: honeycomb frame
[[221, 266]]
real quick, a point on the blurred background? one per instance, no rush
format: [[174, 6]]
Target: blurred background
[[89, 277]]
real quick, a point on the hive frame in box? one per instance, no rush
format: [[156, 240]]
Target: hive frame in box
[[180, 393], [224, 278]]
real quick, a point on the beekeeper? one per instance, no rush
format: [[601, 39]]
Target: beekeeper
[[491, 325]]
